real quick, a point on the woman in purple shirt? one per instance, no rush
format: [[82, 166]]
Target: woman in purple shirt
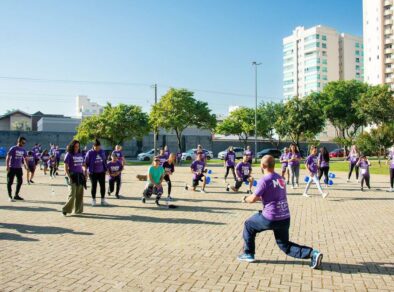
[[44, 159], [73, 162], [294, 164], [96, 163], [364, 164], [311, 165], [391, 161], [229, 162], [31, 167], [284, 159], [323, 162], [353, 158], [16, 157]]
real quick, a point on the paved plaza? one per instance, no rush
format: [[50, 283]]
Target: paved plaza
[[130, 246]]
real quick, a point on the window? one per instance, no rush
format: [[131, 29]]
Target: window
[[324, 61], [357, 53], [324, 77], [312, 69], [357, 60], [324, 45], [314, 77], [312, 46], [324, 54], [357, 45], [357, 67], [324, 69], [323, 37], [312, 38]]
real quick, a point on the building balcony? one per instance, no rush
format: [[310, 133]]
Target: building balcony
[[388, 21], [388, 12], [389, 70], [388, 41], [388, 31], [388, 2], [389, 61], [389, 51]]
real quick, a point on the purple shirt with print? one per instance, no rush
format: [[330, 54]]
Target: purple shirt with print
[[294, 155], [311, 163], [16, 154], [353, 158], [45, 158], [321, 161], [364, 168], [74, 162], [230, 158], [162, 158], [51, 163], [272, 190], [31, 163], [197, 166], [284, 156], [114, 167], [95, 160], [391, 158], [118, 154], [243, 169]]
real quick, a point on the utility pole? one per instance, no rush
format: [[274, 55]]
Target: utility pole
[[154, 130], [255, 64]]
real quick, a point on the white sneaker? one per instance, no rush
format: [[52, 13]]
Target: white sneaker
[[348, 180], [104, 202], [324, 195], [292, 187], [358, 181], [93, 202], [306, 195], [11, 199], [391, 190], [296, 185], [203, 191]]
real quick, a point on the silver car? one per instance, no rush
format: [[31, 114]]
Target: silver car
[[239, 152]]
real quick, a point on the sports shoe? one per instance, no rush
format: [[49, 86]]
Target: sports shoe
[[104, 202], [228, 188], [64, 214], [143, 200], [186, 187], [306, 195], [316, 259], [109, 193], [28, 182], [157, 202], [17, 197], [117, 196], [169, 199], [11, 199], [93, 202], [296, 186], [31, 181], [348, 180], [391, 190], [324, 195], [246, 258], [292, 187], [362, 189], [203, 191]]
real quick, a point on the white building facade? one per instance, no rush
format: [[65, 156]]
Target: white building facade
[[315, 56], [378, 18], [86, 108]]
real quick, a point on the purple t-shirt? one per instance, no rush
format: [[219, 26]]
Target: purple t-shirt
[[391, 157], [118, 154], [51, 163], [243, 169], [353, 158], [95, 161], [272, 190], [45, 158], [197, 166], [321, 161], [74, 162], [364, 168], [285, 157], [167, 153], [162, 158], [31, 163], [294, 155], [230, 158], [16, 155], [36, 152], [249, 153], [311, 163], [114, 167]]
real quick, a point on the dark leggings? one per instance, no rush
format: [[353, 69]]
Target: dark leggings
[[10, 180], [351, 167], [169, 184], [52, 172], [227, 171], [112, 182], [392, 177], [100, 178], [365, 178], [324, 170]]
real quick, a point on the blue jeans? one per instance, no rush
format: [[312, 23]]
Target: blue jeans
[[258, 223]]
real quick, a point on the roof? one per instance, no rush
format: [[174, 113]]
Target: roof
[[40, 114], [15, 112]]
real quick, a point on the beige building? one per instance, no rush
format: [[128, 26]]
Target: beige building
[[378, 17], [16, 121]]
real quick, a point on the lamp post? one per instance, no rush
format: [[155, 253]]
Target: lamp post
[[255, 64]]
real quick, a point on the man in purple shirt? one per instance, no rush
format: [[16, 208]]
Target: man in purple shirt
[[271, 190], [14, 161], [311, 165], [96, 163], [243, 171], [198, 169]]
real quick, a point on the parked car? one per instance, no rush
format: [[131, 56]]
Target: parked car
[[146, 156], [270, 151], [191, 154], [239, 152], [338, 153]]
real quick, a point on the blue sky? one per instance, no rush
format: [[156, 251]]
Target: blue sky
[[206, 46]]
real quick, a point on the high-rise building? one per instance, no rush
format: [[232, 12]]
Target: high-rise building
[[315, 56], [378, 18], [86, 108]]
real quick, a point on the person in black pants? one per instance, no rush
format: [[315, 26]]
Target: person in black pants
[[115, 167], [391, 162], [96, 163], [323, 162], [169, 168], [16, 156]]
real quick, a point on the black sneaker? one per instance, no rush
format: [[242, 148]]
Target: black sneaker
[[228, 188], [109, 193], [117, 196], [32, 181], [64, 214], [143, 200], [157, 202], [17, 197]]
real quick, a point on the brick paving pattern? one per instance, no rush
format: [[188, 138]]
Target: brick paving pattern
[[134, 247]]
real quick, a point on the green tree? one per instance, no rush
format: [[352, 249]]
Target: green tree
[[267, 115], [302, 117], [339, 101], [115, 124], [239, 122], [177, 110], [376, 105]]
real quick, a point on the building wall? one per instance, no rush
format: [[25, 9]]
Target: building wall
[[48, 124], [5, 124], [19, 118], [351, 57], [87, 108]]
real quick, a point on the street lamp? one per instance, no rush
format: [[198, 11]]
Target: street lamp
[[255, 64]]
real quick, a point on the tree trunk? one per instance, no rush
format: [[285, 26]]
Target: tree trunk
[[179, 138]]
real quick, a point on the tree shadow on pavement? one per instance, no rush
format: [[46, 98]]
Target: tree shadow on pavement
[[31, 229], [146, 219], [27, 209], [366, 268], [15, 237], [194, 209]]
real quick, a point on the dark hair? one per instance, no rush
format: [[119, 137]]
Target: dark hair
[[70, 147], [296, 148], [46, 151], [324, 154], [96, 142], [21, 138], [29, 153]]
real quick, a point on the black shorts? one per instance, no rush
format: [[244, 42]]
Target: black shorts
[[197, 180], [32, 169]]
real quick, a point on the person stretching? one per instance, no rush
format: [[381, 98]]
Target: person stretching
[[155, 179], [312, 168], [198, 168], [169, 168], [243, 171], [271, 191], [229, 162]]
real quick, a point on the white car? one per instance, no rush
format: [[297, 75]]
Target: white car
[[239, 152], [191, 154], [146, 156]]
